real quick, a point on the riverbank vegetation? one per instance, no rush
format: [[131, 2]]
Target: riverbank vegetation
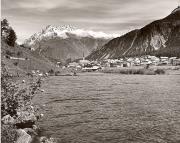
[[140, 71], [18, 114], [18, 87]]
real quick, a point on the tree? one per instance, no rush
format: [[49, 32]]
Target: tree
[[4, 27], [19, 53], [4, 23], [7, 33], [11, 39]]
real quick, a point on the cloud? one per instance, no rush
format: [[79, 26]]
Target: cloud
[[111, 16]]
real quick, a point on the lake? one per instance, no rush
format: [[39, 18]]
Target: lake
[[111, 108]]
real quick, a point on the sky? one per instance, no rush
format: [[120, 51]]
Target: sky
[[110, 16]]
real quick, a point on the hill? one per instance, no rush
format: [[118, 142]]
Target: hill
[[160, 38], [19, 59]]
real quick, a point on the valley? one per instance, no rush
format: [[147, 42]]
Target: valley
[[65, 84]]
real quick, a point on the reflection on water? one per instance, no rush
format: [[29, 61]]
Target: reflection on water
[[107, 108]]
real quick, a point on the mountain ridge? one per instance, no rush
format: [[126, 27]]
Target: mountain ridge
[[60, 43], [151, 39], [64, 32]]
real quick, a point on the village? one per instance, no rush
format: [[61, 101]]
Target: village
[[84, 65], [87, 65]]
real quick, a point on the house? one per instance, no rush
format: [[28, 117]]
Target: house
[[89, 69], [171, 60], [58, 64], [164, 60], [15, 58], [74, 65], [126, 64], [176, 62], [137, 62], [84, 62]]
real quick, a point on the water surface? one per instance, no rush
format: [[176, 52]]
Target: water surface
[[111, 108]]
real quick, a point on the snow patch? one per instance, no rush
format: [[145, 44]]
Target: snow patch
[[64, 32], [157, 41]]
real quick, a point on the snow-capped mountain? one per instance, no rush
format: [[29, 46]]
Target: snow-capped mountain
[[64, 32], [64, 42], [161, 38]]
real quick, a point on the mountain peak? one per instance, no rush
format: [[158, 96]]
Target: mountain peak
[[62, 31], [176, 9], [66, 31], [60, 28]]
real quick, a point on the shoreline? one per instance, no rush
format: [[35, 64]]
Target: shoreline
[[152, 70], [19, 114]]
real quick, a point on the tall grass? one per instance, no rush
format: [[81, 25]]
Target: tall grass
[[140, 71]]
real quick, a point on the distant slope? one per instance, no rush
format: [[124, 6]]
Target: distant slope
[[173, 43], [161, 37], [62, 43], [33, 62], [18, 59]]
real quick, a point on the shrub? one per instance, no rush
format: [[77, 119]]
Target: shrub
[[16, 63], [57, 73], [51, 71], [7, 57], [13, 98], [8, 134], [19, 53], [9, 53], [159, 71], [129, 71], [16, 102]]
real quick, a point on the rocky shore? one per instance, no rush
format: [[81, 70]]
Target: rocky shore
[[18, 114]]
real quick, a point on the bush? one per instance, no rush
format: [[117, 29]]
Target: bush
[[51, 71], [14, 98], [19, 53], [16, 63], [7, 57], [8, 134], [130, 71], [16, 103], [9, 53], [57, 73], [159, 71]]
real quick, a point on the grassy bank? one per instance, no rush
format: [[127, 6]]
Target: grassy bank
[[140, 71]]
